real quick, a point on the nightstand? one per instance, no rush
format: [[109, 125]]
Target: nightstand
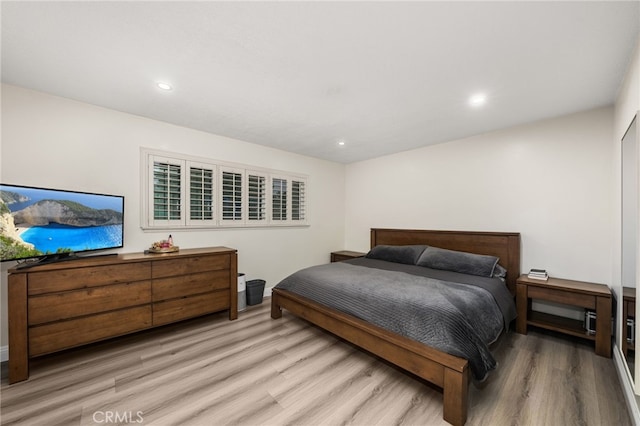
[[592, 296], [628, 313], [339, 256]]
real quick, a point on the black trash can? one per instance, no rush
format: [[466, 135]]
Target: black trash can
[[255, 290]]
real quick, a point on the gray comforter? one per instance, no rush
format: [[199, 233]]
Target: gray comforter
[[441, 312]]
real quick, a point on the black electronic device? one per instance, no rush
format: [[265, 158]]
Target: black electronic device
[[54, 225]]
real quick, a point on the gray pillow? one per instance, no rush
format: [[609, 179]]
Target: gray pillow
[[458, 261], [398, 254], [499, 271]]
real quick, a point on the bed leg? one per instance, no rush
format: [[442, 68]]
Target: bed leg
[[276, 311], [455, 396]]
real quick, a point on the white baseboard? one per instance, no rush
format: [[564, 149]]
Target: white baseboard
[[627, 385]]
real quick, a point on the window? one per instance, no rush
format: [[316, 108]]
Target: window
[[166, 192], [201, 194], [232, 196], [279, 199], [256, 197], [297, 200], [288, 200], [187, 192]]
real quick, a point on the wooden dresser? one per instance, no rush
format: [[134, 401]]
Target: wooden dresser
[[62, 305]]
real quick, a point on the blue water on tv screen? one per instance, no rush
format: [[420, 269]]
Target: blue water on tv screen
[[50, 238], [40, 221]]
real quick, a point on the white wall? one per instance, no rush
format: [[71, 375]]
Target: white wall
[[53, 142], [551, 181]]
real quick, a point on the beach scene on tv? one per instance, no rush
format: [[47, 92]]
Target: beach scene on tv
[[36, 222]]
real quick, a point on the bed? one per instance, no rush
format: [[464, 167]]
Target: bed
[[450, 373]]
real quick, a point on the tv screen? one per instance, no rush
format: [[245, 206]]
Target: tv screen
[[40, 222]]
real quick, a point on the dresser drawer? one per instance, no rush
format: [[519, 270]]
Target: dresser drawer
[[189, 265], [70, 304], [186, 285], [53, 337], [188, 307], [93, 276]]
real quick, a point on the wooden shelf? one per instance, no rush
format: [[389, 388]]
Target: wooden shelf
[[560, 324]]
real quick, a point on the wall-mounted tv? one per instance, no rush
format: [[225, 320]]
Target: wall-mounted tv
[[54, 224]]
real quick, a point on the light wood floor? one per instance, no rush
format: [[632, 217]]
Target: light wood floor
[[258, 371]]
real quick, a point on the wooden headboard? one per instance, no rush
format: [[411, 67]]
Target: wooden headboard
[[504, 245]]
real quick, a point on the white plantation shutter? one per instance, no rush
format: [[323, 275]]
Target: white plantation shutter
[[166, 193], [288, 200], [256, 197], [298, 200], [202, 202], [231, 181], [189, 192], [279, 197]]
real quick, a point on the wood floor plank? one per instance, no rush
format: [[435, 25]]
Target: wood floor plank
[[259, 371], [375, 408]]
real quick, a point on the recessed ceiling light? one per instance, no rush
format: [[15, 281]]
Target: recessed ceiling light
[[341, 143], [164, 86], [478, 100]]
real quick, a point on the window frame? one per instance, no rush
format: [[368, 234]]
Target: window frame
[[148, 158]]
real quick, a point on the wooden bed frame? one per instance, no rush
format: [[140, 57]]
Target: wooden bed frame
[[446, 371]]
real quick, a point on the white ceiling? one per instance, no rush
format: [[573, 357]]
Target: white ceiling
[[299, 76]]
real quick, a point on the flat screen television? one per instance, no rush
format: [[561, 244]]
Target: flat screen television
[[51, 225]]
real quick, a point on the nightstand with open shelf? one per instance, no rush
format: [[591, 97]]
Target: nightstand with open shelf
[[592, 296], [628, 313], [339, 256]]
